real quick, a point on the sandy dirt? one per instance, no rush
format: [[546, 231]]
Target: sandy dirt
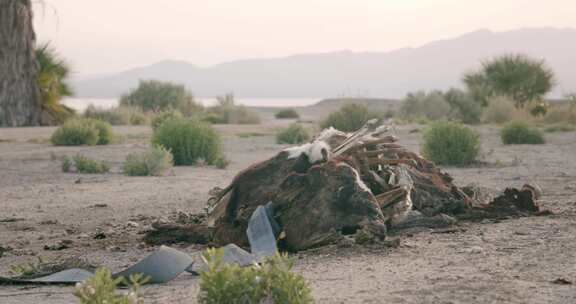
[[510, 261]]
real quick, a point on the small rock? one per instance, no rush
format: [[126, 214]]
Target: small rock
[[11, 220], [116, 249], [99, 236], [562, 281], [475, 250], [60, 245], [132, 224], [49, 222], [99, 206]]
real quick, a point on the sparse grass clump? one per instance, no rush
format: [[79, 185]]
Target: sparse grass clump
[[561, 114], [163, 116], [188, 141], [101, 288], [561, 127], [272, 282], [450, 143], [500, 110], [42, 267], [228, 112], [294, 134], [349, 117], [222, 163], [154, 162], [521, 133], [82, 131], [428, 105], [83, 164], [287, 114], [123, 115]]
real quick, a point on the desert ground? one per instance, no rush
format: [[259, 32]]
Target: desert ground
[[509, 261]]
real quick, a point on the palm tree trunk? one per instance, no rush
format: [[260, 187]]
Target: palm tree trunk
[[19, 92]]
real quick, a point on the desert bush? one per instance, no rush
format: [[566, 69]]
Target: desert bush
[[349, 117], [163, 116], [430, 105], [294, 134], [75, 132], [154, 95], [101, 288], [84, 164], [522, 78], [112, 116], [287, 114], [66, 164], [188, 141], [561, 114], [154, 162], [228, 112], [463, 106], [518, 132], [500, 109], [105, 134], [118, 116], [561, 127], [222, 163], [272, 282], [82, 131], [450, 143]]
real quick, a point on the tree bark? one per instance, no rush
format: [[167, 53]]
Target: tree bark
[[19, 92]]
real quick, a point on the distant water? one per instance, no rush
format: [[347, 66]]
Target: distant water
[[80, 104]]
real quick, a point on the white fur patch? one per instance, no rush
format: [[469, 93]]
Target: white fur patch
[[312, 150]]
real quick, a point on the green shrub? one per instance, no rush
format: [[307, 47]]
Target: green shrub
[[561, 127], [154, 95], [272, 282], [523, 78], [349, 117], [450, 143], [66, 164], [154, 162], [101, 288], [84, 164], [520, 133], [105, 134], [82, 131], [287, 114], [163, 116], [222, 163], [294, 134], [228, 112], [188, 141], [75, 132]]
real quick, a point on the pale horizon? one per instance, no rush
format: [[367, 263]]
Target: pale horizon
[[111, 36]]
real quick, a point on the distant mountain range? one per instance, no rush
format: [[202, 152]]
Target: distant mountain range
[[436, 65]]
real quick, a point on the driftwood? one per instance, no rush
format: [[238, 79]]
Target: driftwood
[[340, 184]]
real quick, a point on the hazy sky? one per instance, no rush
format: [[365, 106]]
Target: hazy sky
[[102, 36]]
